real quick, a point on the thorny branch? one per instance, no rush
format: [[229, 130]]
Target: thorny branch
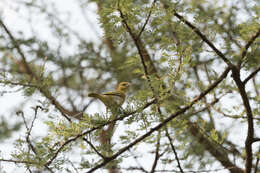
[[147, 19], [143, 53], [174, 151], [231, 116], [251, 75], [157, 155], [249, 43], [145, 58], [256, 165], [125, 115], [239, 83], [25, 64], [256, 140], [163, 123], [203, 37], [19, 161], [29, 129], [250, 131], [28, 70], [186, 171], [140, 167], [94, 148]]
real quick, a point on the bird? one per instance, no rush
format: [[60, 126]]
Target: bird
[[113, 99]]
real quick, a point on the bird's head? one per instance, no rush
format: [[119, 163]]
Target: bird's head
[[123, 86]]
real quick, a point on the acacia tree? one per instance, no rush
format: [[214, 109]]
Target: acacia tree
[[194, 69]]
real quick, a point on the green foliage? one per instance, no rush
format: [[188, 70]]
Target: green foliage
[[29, 91]]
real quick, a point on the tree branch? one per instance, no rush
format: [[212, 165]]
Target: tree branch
[[125, 115], [203, 37], [157, 155], [13, 40], [29, 129], [256, 165], [250, 131], [19, 161], [146, 21], [253, 38], [148, 65], [256, 140], [251, 75], [94, 148], [213, 148], [29, 71], [164, 122], [174, 151]]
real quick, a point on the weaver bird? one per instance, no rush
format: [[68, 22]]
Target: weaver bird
[[113, 99]]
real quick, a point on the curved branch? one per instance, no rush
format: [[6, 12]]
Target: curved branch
[[174, 150], [203, 37], [94, 148], [249, 113], [125, 115], [24, 64], [157, 155], [148, 65], [164, 122], [19, 161], [251, 75], [253, 38], [13, 40], [147, 19]]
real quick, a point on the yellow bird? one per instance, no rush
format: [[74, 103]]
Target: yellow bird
[[113, 99]]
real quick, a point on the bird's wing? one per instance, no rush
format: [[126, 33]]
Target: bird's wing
[[115, 96], [114, 93]]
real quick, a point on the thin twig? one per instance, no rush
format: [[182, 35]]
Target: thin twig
[[133, 168], [255, 86], [251, 41], [18, 84], [203, 37], [73, 166], [256, 164], [29, 129], [256, 140], [19, 161], [149, 67], [186, 171], [125, 115], [94, 148], [227, 31], [147, 19], [140, 167], [174, 151], [157, 155], [249, 113], [251, 75], [29, 71], [13, 40], [162, 124]]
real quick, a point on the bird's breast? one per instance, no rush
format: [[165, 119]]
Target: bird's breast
[[118, 100]]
